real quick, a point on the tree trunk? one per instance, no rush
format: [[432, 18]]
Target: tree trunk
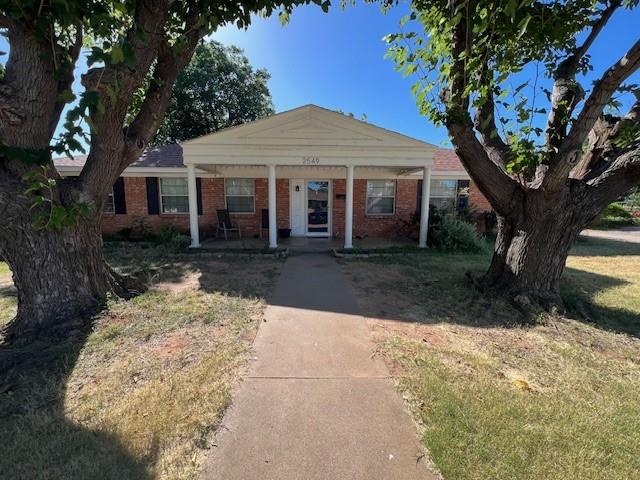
[[532, 247], [61, 278], [60, 274]]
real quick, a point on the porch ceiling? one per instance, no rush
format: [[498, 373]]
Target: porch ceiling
[[303, 171]]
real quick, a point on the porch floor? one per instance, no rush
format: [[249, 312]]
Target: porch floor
[[305, 244]]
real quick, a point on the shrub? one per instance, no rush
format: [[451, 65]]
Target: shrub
[[454, 235], [169, 236], [615, 215]]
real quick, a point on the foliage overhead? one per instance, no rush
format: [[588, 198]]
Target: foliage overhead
[[110, 31], [218, 89], [511, 44]]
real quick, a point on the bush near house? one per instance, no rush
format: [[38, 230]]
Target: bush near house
[[616, 215]]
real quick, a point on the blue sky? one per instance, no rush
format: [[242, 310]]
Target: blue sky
[[337, 60]]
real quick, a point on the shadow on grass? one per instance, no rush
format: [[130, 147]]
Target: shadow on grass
[[39, 440], [434, 289]]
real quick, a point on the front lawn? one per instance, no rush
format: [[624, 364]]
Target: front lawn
[[142, 394], [498, 400]]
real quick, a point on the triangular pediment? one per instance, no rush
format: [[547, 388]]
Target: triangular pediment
[[308, 126]]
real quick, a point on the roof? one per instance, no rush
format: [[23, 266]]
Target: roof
[[306, 128], [166, 156], [170, 156], [305, 119], [446, 160]]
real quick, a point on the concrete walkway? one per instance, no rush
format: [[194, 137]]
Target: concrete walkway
[[623, 234], [316, 403]]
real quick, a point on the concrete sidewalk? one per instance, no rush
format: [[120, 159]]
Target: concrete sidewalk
[[316, 404], [623, 234]]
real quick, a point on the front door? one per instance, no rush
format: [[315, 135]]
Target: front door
[[318, 207]]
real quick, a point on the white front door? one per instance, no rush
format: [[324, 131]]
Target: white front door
[[298, 211]]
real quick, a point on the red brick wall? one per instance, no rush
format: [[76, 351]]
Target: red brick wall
[[373, 225], [477, 200], [212, 199]]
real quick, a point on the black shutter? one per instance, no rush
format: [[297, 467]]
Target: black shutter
[[419, 204], [119, 198], [199, 194], [153, 200]]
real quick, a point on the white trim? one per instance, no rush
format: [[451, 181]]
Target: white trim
[[254, 195], [192, 190], [348, 208], [424, 208], [160, 195], [366, 197], [273, 210]]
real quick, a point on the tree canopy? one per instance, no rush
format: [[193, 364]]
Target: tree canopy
[[218, 89]]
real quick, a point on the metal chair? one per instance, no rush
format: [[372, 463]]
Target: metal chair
[[264, 220], [226, 225]]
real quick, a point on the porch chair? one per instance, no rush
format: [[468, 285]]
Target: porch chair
[[226, 225], [264, 221]]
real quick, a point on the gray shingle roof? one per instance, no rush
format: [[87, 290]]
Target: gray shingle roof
[[166, 156]]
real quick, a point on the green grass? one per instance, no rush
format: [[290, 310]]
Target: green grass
[[141, 395], [497, 399]]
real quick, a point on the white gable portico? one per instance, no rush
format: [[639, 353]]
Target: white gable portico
[[309, 146]]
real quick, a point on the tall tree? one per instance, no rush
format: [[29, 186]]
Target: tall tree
[[49, 225], [218, 89], [546, 180]]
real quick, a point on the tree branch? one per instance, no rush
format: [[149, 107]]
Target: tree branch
[[569, 66], [600, 145], [566, 92], [622, 175], [169, 65], [491, 140], [569, 151], [490, 177]]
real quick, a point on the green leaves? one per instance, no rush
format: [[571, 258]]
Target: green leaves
[[47, 210]]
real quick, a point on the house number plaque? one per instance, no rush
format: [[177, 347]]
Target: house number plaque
[[311, 160]]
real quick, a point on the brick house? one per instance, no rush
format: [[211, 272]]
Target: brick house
[[316, 172]]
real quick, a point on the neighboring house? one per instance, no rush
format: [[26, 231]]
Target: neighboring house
[[320, 172]]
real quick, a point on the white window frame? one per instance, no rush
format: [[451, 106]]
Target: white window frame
[[253, 183], [160, 195], [455, 193], [111, 199], [366, 199]]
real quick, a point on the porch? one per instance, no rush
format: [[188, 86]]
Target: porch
[[311, 150]]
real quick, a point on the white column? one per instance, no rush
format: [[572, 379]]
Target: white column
[[193, 206], [348, 210], [273, 228], [424, 207]]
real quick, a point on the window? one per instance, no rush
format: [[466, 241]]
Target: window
[[448, 194], [240, 194], [381, 197], [174, 195], [109, 204]]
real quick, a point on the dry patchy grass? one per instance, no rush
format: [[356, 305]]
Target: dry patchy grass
[[496, 399], [142, 394]]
